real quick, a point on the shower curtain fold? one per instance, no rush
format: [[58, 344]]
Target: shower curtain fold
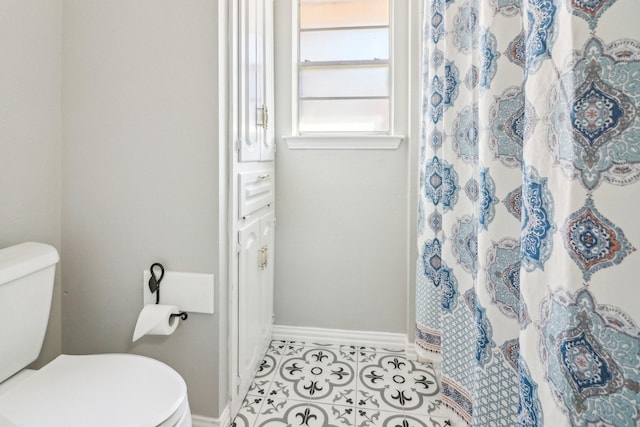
[[526, 286]]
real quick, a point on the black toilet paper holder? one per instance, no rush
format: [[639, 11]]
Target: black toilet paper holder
[[154, 287], [183, 315]]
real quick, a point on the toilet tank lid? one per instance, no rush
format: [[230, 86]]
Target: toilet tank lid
[[26, 258]]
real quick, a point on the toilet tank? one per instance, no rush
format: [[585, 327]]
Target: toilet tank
[[27, 274]]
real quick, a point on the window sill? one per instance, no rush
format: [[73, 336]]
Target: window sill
[[344, 142]]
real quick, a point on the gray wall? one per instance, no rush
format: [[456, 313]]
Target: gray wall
[[139, 179], [30, 134], [341, 245], [341, 236]]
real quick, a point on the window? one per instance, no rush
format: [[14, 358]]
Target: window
[[344, 67]]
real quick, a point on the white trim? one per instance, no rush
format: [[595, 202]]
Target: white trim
[[233, 125], [202, 421], [339, 336], [410, 351], [295, 61], [225, 417], [295, 53], [228, 72], [347, 142]]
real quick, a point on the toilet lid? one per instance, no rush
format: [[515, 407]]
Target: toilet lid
[[96, 390]]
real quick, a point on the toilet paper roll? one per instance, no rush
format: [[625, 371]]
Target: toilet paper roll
[[155, 319]]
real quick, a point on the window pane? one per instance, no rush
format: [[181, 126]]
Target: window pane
[[344, 45], [344, 81], [352, 115], [343, 13]]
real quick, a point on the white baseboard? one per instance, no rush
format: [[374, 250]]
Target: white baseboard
[[411, 352], [340, 336], [202, 421]]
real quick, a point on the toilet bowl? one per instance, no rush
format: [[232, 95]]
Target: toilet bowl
[[73, 390]]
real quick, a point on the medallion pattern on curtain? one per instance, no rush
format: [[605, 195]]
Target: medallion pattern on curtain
[[528, 277]]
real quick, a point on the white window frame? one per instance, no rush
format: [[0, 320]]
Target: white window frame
[[398, 91]]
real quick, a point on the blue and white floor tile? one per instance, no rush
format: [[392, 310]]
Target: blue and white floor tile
[[317, 375], [390, 382], [326, 385]]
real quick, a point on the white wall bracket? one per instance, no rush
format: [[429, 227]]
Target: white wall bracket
[[190, 292]]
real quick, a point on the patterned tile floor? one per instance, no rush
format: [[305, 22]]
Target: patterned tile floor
[[316, 385]]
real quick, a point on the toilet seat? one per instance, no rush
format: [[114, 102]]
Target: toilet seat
[[98, 390]]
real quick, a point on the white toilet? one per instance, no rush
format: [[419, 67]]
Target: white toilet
[[72, 391]]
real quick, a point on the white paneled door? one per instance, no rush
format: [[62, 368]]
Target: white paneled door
[[255, 295], [248, 303], [267, 242], [256, 87]]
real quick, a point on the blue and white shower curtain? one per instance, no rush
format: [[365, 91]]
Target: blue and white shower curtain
[[528, 275]]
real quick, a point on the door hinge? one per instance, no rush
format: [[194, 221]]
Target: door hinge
[[238, 247], [237, 145]]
